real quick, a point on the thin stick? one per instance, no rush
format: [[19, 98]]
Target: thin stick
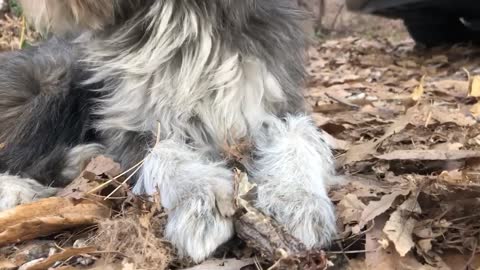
[[22, 33], [124, 182], [343, 102], [116, 177], [337, 16], [136, 168]]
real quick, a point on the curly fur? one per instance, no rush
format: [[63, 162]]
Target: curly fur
[[210, 73]]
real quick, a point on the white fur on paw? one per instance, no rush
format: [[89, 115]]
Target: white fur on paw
[[196, 228], [294, 168], [225, 205], [15, 191], [308, 217], [197, 193]]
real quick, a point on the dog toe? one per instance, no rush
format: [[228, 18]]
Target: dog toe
[[197, 228]]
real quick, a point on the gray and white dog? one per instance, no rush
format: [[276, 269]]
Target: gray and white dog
[[209, 73]]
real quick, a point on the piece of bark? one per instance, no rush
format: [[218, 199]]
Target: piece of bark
[[48, 216], [276, 245], [267, 237]]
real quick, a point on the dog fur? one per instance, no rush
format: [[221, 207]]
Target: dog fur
[[210, 73]]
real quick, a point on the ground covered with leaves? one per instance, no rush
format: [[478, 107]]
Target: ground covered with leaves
[[403, 122]]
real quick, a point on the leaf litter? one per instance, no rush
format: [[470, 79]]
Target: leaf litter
[[412, 161], [403, 123]]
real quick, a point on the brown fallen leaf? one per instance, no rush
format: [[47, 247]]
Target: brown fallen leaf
[[350, 209], [381, 256], [454, 88], [376, 208], [444, 116], [335, 143], [48, 216], [98, 171], [366, 150], [378, 256], [430, 155], [399, 230]]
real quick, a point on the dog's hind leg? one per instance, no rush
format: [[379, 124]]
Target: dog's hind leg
[[197, 193], [45, 114], [15, 190], [293, 171]]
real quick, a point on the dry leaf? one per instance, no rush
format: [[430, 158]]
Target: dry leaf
[[99, 170], [411, 205], [243, 188], [350, 209], [458, 118], [378, 257], [474, 89], [419, 90], [455, 88], [376, 208], [399, 230], [365, 151]]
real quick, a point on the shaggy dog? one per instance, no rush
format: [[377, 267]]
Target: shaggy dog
[[210, 73]]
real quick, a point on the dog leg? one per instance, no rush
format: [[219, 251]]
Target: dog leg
[[78, 157], [197, 193], [15, 191], [293, 170]]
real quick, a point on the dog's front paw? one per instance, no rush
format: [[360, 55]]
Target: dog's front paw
[[307, 216], [196, 228]]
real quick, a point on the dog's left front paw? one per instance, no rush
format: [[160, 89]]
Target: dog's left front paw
[[308, 217], [196, 228]]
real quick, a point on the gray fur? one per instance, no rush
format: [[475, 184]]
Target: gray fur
[[44, 111]]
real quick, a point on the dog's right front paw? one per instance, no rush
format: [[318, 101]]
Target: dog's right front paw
[[196, 228], [307, 216]]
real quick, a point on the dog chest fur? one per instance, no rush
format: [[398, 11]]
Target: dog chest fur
[[199, 80]]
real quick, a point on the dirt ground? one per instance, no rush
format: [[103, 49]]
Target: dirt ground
[[403, 122]]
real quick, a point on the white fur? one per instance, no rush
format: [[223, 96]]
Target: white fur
[[3, 5], [15, 190], [198, 195], [293, 171]]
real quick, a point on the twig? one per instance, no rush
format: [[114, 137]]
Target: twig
[[472, 257], [23, 32], [343, 102], [337, 16], [116, 177], [124, 182]]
